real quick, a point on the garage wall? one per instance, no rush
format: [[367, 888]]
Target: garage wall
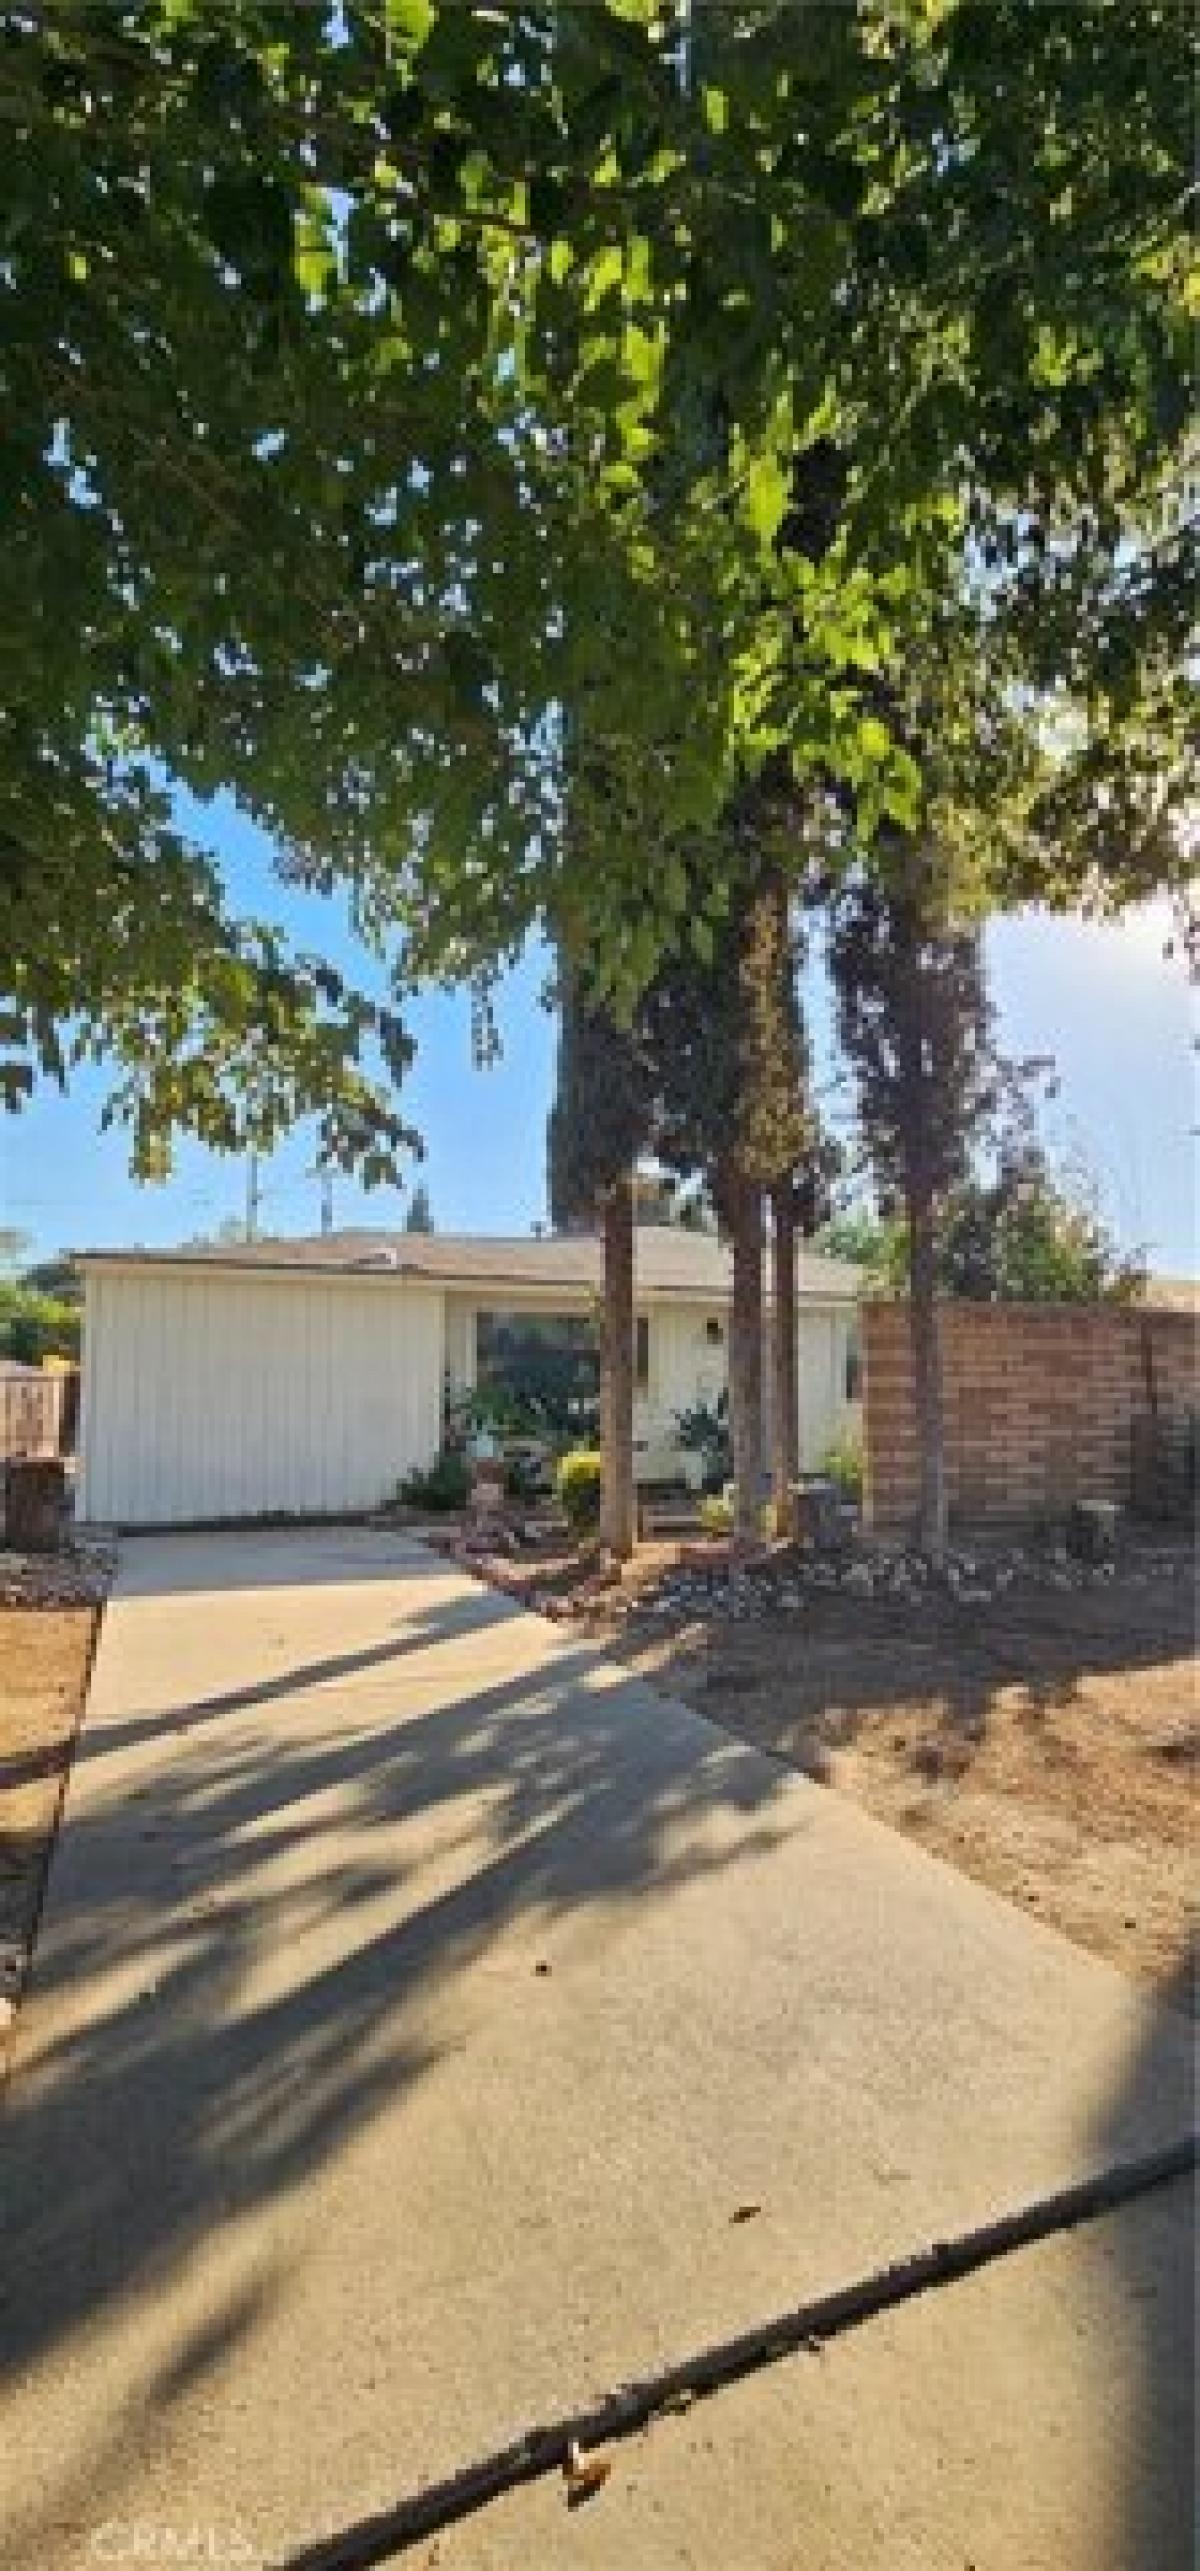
[[223, 1395]]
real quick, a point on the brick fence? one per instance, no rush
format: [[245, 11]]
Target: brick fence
[[1039, 1405]]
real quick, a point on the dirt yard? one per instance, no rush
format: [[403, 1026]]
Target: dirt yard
[[48, 1621], [1046, 1738]]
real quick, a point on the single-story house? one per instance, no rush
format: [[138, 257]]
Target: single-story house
[[307, 1376]]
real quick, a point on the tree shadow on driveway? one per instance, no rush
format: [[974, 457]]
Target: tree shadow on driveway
[[270, 1931], [1152, 2247], [193, 2068]]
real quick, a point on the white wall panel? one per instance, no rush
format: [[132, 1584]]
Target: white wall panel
[[225, 1395], [460, 1343], [685, 1367]]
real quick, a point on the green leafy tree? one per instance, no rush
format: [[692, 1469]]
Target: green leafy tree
[[379, 383], [33, 1326], [863, 1240], [61, 1278], [1025, 1234], [1019, 1232]]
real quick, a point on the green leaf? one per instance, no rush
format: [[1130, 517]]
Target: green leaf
[[314, 261], [407, 23], [766, 497]]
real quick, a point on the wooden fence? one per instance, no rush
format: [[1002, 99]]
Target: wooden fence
[[38, 1413]]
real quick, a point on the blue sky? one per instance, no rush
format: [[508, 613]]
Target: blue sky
[[1116, 1015]]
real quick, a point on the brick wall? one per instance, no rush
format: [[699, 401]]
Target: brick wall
[[1038, 1404]]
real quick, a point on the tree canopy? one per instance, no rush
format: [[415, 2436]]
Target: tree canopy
[[382, 383], [1020, 1231]]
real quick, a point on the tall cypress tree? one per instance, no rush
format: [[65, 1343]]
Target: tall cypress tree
[[723, 1044], [790, 1146], [597, 1126], [915, 1022]]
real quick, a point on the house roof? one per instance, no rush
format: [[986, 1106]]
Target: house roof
[[692, 1266], [1172, 1294]]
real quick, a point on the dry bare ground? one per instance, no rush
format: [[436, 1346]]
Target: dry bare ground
[[48, 1620]]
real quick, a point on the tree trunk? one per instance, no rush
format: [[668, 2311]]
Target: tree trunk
[[785, 1406], [927, 1372], [745, 1362], [617, 1358]]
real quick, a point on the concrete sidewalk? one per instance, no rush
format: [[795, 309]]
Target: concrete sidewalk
[[418, 2000]]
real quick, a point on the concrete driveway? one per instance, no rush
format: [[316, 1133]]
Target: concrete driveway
[[418, 2002]]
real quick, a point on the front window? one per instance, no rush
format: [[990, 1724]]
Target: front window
[[547, 1364]]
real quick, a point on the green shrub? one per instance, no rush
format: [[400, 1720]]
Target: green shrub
[[444, 1484], [843, 1463], [578, 1481], [716, 1514]]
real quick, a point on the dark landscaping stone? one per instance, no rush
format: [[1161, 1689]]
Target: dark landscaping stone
[[1092, 1530]]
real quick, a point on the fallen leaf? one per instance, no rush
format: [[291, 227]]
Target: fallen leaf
[[584, 2474]]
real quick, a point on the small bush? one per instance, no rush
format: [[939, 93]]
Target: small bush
[[716, 1514], [843, 1463], [444, 1484], [578, 1481]]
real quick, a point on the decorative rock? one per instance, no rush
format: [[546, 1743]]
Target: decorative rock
[[1092, 1530], [78, 1576]]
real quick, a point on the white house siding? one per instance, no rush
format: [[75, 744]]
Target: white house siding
[[686, 1368], [460, 1344], [225, 1395], [825, 1337]]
